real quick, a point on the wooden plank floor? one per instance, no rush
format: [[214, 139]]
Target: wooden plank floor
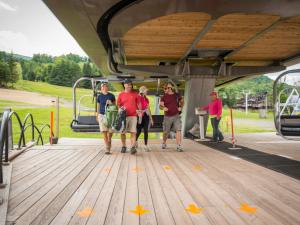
[[75, 183]]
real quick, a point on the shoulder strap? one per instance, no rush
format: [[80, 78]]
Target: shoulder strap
[[177, 99]]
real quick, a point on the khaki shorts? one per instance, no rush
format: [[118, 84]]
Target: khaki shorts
[[102, 125], [131, 122], [172, 123]]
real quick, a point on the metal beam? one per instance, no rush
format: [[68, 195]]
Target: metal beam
[[197, 39], [289, 60], [199, 70], [255, 37]]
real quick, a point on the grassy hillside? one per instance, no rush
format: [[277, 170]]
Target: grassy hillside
[[49, 89]]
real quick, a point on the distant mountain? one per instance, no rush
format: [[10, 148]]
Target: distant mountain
[[18, 57], [4, 55]]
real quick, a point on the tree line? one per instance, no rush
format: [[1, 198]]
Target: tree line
[[256, 86], [63, 70]]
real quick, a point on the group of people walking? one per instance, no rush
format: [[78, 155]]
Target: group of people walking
[[139, 117]]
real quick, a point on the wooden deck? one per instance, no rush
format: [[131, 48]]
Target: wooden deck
[[75, 183]]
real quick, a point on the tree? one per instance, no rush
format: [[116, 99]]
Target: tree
[[13, 70], [4, 73], [87, 70], [64, 72], [42, 58]]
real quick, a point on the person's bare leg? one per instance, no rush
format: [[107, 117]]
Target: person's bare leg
[[178, 137], [105, 138], [109, 139], [133, 139], [123, 140], [165, 137]]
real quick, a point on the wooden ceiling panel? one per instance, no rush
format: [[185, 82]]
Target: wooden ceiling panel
[[279, 43], [164, 37], [232, 30]]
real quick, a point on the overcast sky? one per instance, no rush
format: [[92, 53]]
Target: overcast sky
[[28, 27]]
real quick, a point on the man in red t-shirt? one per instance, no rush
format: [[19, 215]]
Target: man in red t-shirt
[[172, 104], [128, 99]]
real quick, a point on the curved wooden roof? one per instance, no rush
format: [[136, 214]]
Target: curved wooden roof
[[167, 38]]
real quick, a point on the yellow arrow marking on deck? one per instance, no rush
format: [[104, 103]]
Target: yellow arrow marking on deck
[[197, 167], [108, 169], [139, 210], [246, 208], [194, 209], [136, 169], [85, 212], [167, 167]]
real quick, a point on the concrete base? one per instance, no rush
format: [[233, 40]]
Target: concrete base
[[196, 94]]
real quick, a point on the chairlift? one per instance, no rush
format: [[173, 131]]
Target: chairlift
[[88, 123], [286, 96]]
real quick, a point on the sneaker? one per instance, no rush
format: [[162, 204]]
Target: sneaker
[[133, 150], [123, 150], [164, 146], [179, 148], [107, 151], [146, 148]]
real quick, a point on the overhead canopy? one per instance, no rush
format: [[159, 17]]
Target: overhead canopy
[[225, 39]]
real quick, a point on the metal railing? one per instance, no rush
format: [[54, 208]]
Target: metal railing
[[6, 139]]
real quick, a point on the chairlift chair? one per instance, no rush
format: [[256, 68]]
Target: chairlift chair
[[287, 104], [88, 123]]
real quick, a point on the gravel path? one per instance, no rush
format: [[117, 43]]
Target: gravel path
[[31, 98]]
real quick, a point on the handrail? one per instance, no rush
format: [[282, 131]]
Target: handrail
[[3, 139], [4, 135], [22, 138]]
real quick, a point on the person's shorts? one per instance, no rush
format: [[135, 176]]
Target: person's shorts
[[131, 122], [102, 124], [172, 123]]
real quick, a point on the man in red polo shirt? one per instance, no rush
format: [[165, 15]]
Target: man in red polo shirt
[[128, 99]]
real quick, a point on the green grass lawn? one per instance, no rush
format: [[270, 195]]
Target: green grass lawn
[[42, 116], [7, 103]]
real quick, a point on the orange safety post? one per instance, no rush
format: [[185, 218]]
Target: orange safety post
[[232, 133], [51, 126]]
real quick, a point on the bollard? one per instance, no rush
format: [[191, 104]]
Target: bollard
[[51, 127], [232, 133]]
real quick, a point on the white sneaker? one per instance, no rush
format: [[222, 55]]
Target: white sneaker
[[179, 148], [164, 146], [146, 148]]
